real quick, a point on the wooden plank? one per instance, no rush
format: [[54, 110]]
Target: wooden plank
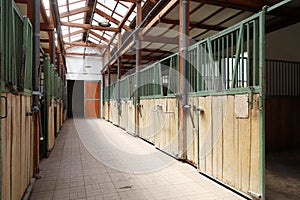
[[6, 148], [244, 140], [23, 169], [51, 126], [255, 146], [237, 166], [28, 138], [189, 133], [131, 118], [217, 139], [205, 134], [92, 90], [92, 108], [173, 126], [15, 162], [228, 134], [32, 167]]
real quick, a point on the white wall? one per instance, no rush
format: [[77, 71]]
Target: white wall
[[76, 65], [284, 44]]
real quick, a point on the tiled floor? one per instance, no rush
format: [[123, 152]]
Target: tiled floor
[[92, 159]]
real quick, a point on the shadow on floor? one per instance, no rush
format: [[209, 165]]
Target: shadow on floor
[[283, 175]]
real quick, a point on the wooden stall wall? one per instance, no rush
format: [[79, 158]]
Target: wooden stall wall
[[147, 122], [282, 120], [17, 146], [51, 130], [114, 115], [223, 140], [124, 115], [229, 140], [130, 117], [105, 110]]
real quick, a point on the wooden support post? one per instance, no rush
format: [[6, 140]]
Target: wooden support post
[[183, 44]]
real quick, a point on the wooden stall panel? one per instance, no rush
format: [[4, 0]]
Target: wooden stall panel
[[105, 110], [217, 135], [114, 117], [229, 140], [16, 142], [147, 119], [205, 135], [165, 127], [16, 147], [51, 125], [92, 90], [6, 147], [192, 132], [255, 146], [124, 115], [160, 124], [131, 117], [229, 161], [92, 108], [172, 127]]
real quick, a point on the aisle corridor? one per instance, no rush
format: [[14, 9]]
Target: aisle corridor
[[92, 159]]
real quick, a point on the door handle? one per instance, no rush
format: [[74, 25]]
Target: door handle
[[5, 101]]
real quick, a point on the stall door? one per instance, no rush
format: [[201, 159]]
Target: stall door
[[92, 99]]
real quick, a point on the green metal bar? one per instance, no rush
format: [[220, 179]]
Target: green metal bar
[[227, 62], [237, 59], [248, 56], [199, 70], [262, 83], [211, 61], [255, 51], [278, 5]]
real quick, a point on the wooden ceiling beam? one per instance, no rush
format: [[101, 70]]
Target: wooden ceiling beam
[[46, 27], [74, 33], [82, 54], [125, 18], [110, 18], [85, 44], [88, 26], [76, 11], [101, 37]]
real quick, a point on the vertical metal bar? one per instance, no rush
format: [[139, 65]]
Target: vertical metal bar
[[262, 83], [231, 57], [248, 56], [237, 59], [184, 55], [198, 70], [242, 59], [118, 90], [223, 71], [211, 62], [137, 84], [227, 62], [255, 51]]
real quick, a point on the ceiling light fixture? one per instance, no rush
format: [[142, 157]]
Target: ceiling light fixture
[[105, 22]]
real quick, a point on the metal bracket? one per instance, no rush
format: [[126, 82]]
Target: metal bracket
[[37, 93], [190, 112], [251, 98], [5, 100]]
